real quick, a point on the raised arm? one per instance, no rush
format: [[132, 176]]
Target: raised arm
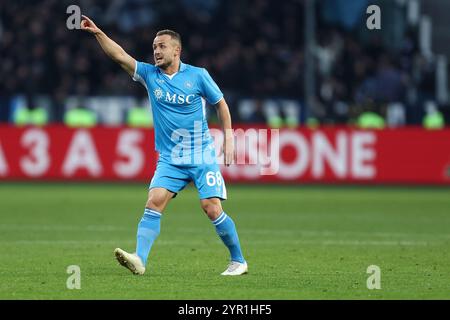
[[111, 48], [224, 116]]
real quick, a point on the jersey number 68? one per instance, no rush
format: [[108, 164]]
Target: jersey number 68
[[213, 178]]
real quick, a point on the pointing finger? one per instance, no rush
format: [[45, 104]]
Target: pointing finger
[[86, 18]]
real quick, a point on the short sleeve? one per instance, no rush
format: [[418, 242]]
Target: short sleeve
[[141, 72], [209, 89]]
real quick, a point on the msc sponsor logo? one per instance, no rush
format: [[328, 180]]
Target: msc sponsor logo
[[173, 97]]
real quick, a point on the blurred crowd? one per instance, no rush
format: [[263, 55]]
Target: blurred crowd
[[251, 48], [353, 78], [252, 39]]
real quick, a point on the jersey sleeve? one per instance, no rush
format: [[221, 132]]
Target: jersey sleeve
[[209, 89], [141, 71]]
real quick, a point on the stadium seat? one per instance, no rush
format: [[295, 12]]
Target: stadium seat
[[291, 122], [291, 111], [39, 117], [80, 118], [272, 113], [36, 117], [140, 118], [275, 122], [21, 117], [370, 120], [434, 120], [312, 123]]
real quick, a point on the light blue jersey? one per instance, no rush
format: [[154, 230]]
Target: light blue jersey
[[178, 106], [182, 138]]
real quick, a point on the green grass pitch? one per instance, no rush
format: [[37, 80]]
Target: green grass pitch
[[302, 242]]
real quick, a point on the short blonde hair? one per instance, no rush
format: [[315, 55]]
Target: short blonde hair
[[171, 33]]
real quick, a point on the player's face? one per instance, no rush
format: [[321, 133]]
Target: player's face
[[165, 51]]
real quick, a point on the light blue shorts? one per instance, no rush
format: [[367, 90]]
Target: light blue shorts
[[206, 178]]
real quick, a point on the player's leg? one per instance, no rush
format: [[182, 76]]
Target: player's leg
[[166, 182], [226, 229], [148, 230], [212, 190], [150, 225]]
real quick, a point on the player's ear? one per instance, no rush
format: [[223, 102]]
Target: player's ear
[[177, 46]]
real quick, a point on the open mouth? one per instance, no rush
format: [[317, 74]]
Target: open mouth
[[159, 59]]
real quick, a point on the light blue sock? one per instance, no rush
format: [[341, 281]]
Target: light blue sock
[[226, 230], [148, 231]]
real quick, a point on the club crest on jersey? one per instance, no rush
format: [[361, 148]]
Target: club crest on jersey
[[158, 93]]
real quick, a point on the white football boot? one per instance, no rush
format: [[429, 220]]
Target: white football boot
[[235, 269], [131, 261]]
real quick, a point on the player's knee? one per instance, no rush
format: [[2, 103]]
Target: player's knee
[[156, 202], [212, 210], [158, 198]]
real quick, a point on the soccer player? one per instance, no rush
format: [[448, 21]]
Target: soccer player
[[177, 93]]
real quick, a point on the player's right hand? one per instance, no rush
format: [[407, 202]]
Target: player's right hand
[[89, 25]]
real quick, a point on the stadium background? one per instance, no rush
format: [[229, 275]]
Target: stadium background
[[353, 106]]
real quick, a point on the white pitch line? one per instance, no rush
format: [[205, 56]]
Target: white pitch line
[[377, 243], [67, 242], [324, 233], [50, 227], [332, 242], [330, 233], [276, 232]]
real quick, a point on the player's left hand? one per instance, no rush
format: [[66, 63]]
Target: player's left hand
[[229, 152]]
